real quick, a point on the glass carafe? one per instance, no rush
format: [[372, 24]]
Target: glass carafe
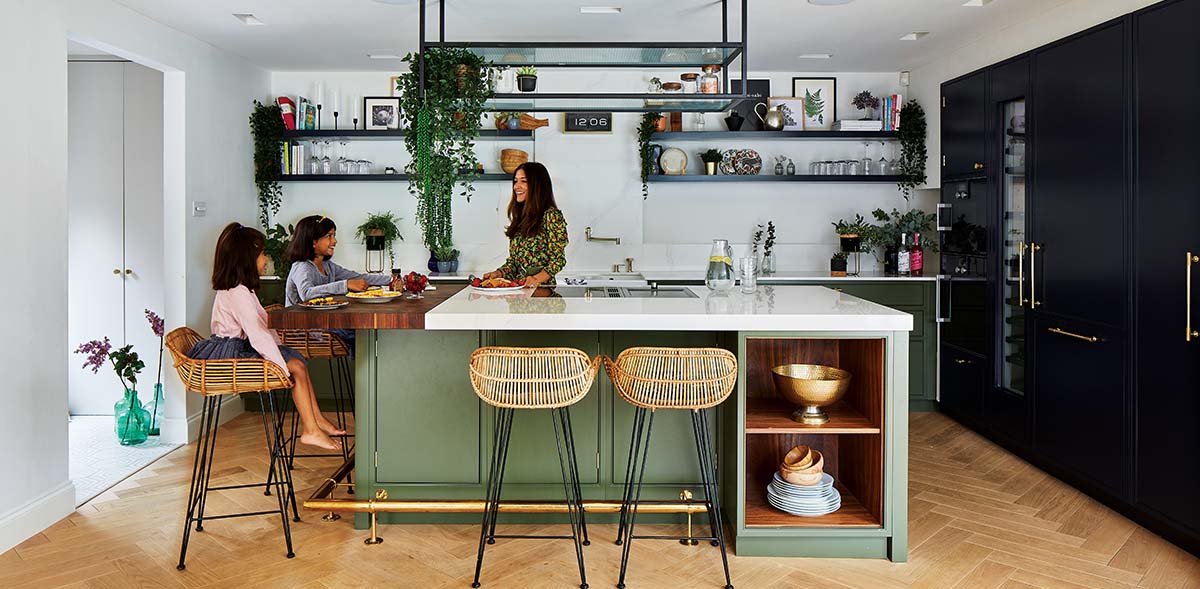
[[720, 275]]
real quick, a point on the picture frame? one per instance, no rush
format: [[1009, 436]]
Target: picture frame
[[793, 111], [381, 113], [818, 98], [394, 91], [761, 89]]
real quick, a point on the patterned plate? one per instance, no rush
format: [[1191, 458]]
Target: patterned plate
[[740, 162]]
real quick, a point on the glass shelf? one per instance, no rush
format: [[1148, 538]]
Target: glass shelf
[[584, 54], [548, 102]]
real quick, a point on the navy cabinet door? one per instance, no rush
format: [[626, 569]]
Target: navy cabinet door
[[1078, 178], [961, 393], [1167, 402], [964, 126]]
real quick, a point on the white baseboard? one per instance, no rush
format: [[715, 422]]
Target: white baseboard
[[38, 514], [184, 431]]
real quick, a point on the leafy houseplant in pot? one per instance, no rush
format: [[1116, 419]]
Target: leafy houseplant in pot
[[275, 246], [711, 158], [867, 103], [378, 232], [646, 129], [850, 233], [913, 154], [132, 421], [266, 125], [837, 264], [527, 79], [447, 258]]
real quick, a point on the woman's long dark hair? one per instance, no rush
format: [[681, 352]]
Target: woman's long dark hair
[[525, 218], [236, 259], [308, 230]]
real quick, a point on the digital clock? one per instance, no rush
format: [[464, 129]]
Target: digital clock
[[587, 122]]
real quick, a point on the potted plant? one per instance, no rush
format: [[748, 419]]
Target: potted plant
[[278, 238], [527, 79], [378, 232], [157, 407], [865, 102], [851, 233], [447, 258], [711, 158], [132, 421], [646, 129], [837, 264], [266, 126], [913, 154]]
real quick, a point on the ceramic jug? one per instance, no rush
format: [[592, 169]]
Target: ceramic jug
[[772, 117]]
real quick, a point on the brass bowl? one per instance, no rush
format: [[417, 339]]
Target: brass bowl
[[811, 386]]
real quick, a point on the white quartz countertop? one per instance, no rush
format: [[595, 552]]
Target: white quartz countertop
[[698, 276], [772, 308]]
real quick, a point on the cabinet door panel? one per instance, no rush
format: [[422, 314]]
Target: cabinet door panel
[[964, 125], [961, 392], [1078, 176], [1168, 200]]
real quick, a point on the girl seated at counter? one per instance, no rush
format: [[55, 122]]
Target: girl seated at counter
[[314, 275], [239, 327]]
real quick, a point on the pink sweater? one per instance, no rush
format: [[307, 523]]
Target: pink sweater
[[237, 313]]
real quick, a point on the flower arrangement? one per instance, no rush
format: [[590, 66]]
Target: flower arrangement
[[156, 406], [131, 418]]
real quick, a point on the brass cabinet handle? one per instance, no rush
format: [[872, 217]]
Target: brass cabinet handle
[[1033, 250], [978, 166], [1087, 338], [962, 361], [1190, 332], [128, 271], [116, 270], [1021, 300]]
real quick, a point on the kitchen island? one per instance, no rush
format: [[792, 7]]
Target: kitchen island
[[423, 436]]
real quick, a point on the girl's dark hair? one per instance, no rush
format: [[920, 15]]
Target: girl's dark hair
[[308, 230], [525, 218], [236, 259]]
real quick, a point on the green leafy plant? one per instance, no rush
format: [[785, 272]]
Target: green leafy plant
[[125, 362], [839, 255], [385, 223], [266, 126], [814, 106], [891, 226], [278, 238], [913, 154], [527, 71], [445, 253], [645, 131], [443, 119], [710, 156], [858, 226]]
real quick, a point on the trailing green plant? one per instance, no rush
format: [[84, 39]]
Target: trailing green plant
[[444, 123], [275, 246], [710, 156], [445, 253], [527, 71], [266, 126], [645, 131], [913, 154], [384, 222]]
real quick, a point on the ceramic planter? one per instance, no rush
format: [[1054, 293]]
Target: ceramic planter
[[526, 83], [710, 168]]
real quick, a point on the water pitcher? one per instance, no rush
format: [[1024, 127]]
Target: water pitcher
[[721, 275]]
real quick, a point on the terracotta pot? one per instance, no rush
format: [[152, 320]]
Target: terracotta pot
[[661, 125]]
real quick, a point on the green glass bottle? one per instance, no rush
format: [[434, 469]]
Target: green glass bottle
[[132, 420]]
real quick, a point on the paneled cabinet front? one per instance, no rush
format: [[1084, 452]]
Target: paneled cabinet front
[[964, 126]]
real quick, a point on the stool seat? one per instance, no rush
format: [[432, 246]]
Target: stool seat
[[221, 377], [532, 378], [673, 378]]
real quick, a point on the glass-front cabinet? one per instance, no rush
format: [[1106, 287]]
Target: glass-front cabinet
[[1016, 285]]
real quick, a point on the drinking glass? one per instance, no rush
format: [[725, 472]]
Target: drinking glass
[[749, 271], [814, 168], [866, 159], [853, 167], [364, 166], [894, 165], [839, 168], [326, 163], [883, 165]]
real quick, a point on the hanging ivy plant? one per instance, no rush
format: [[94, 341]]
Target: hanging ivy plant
[[913, 155], [443, 125], [266, 125], [645, 131]]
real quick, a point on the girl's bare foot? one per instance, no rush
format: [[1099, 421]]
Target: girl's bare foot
[[321, 440], [328, 427]]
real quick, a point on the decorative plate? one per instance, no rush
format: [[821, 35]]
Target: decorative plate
[[740, 162], [673, 161]]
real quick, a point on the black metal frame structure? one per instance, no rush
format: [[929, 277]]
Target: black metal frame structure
[[724, 101]]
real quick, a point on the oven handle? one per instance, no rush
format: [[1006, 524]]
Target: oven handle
[[949, 208], [937, 290]]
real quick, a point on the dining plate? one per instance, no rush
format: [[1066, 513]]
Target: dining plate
[[375, 296], [337, 305], [498, 290], [673, 161]]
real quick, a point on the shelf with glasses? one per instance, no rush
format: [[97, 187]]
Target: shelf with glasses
[[604, 55], [611, 102], [392, 134], [859, 178], [376, 178], [776, 135]]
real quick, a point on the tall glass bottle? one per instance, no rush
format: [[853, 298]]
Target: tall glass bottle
[[720, 275], [904, 257], [916, 256]]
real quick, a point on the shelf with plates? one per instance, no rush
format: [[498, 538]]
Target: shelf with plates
[[376, 178], [392, 134], [611, 102], [601, 54], [772, 178], [775, 135], [760, 513]]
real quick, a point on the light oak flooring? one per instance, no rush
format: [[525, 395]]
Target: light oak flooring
[[980, 518]]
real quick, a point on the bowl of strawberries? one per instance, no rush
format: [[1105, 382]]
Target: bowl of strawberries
[[414, 285]]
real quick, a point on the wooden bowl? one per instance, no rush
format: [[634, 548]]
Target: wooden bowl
[[811, 386], [798, 458], [807, 475], [802, 479], [511, 158]]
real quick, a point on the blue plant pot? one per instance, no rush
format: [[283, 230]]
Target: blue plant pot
[[443, 267], [433, 262]]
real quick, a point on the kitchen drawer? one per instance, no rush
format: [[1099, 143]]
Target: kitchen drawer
[[888, 294]]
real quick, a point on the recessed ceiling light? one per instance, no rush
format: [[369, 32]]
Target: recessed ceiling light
[[814, 56], [600, 10], [383, 56], [913, 36], [249, 20], [829, 2], [977, 2]]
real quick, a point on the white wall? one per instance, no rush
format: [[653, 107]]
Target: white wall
[[596, 184], [208, 94], [1062, 21]]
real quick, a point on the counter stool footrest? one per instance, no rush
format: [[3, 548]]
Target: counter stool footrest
[[246, 486], [517, 536], [247, 514], [677, 538]]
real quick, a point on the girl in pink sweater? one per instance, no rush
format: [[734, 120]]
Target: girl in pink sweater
[[239, 327]]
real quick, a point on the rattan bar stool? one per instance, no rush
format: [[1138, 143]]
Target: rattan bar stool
[[533, 378], [215, 379], [695, 379]]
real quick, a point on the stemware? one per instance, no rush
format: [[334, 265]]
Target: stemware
[[326, 164], [314, 159], [866, 159], [882, 165], [343, 162]]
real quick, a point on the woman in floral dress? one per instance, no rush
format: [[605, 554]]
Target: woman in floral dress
[[537, 232]]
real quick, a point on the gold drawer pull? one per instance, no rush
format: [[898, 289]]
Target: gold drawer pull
[[1033, 250], [1087, 338], [962, 361], [1190, 260]]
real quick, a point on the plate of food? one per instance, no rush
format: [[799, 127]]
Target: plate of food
[[323, 304], [497, 285], [374, 295]]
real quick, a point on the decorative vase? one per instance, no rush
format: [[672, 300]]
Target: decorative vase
[[131, 419], [454, 265], [526, 83], [443, 267], [655, 153], [791, 168], [710, 168], [734, 121], [660, 125], [868, 114], [768, 264], [156, 409], [433, 262], [778, 168]]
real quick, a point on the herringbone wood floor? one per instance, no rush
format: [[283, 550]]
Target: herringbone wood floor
[[980, 517]]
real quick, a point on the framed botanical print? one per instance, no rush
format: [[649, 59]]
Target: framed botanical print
[[381, 112], [819, 102]]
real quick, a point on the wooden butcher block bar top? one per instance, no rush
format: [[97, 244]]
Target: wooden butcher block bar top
[[398, 314]]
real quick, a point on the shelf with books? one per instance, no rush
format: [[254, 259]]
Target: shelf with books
[[391, 134]]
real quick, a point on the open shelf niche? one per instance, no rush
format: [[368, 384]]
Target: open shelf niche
[[851, 443]]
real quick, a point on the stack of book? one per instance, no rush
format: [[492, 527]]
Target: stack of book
[[295, 155], [861, 125], [891, 106], [298, 114]]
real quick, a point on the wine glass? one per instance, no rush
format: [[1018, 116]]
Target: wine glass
[[882, 165], [866, 159], [894, 166], [326, 164], [314, 159], [343, 160]]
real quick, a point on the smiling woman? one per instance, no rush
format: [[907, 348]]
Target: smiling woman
[[537, 231]]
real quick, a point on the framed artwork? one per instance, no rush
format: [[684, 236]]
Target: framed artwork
[[793, 111], [819, 96], [381, 112], [758, 87], [395, 80]]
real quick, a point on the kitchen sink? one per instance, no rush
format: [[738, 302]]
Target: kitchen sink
[[625, 292], [612, 279]]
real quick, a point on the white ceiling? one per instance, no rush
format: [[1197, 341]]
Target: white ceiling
[[333, 35]]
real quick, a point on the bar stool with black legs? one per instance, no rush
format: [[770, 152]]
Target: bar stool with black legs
[[693, 379], [533, 378], [215, 380]]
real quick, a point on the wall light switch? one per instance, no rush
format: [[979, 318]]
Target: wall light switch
[[199, 208]]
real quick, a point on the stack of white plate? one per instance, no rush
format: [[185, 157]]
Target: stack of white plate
[[807, 501]]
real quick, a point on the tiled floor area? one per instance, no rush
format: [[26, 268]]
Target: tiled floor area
[[98, 461]]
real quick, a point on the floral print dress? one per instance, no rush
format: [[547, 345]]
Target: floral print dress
[[546, 250]]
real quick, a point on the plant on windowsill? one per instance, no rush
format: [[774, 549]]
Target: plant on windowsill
[[711, 158], [266, 126], [131, 419], [378, 233], [645, 131], [913, 154]]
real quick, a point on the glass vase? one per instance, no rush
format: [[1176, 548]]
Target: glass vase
[[156, 409], [768, 264], [131, 419], [720, 275]]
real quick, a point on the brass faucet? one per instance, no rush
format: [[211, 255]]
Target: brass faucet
[[587, 234]]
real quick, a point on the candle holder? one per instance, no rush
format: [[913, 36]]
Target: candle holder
[[335, 117], [318, 117], [355, 124]]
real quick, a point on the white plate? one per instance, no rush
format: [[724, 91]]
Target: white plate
[[673, 161], [825, 483], [337, 305], [499, 290]]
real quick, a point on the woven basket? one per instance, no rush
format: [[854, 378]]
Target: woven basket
[[511, 158]]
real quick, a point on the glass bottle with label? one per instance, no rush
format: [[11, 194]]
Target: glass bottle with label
[[904, 257], [916, 256]]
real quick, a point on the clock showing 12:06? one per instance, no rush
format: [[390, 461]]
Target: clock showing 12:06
[[587, 122]]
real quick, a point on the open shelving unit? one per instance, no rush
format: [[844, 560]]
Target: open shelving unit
[[376, 178], [392, 134], [772, 178], [776, 135]]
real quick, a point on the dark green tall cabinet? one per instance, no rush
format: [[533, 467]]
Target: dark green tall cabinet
[[1093, 372]]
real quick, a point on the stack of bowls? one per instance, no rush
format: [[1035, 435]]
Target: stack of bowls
[[801, 487], [802, 466]]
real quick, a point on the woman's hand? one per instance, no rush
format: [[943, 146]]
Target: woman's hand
[[536, 280], [356, 285], [493, 274]]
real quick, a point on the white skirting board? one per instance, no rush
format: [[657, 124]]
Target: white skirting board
[[20, 524]]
